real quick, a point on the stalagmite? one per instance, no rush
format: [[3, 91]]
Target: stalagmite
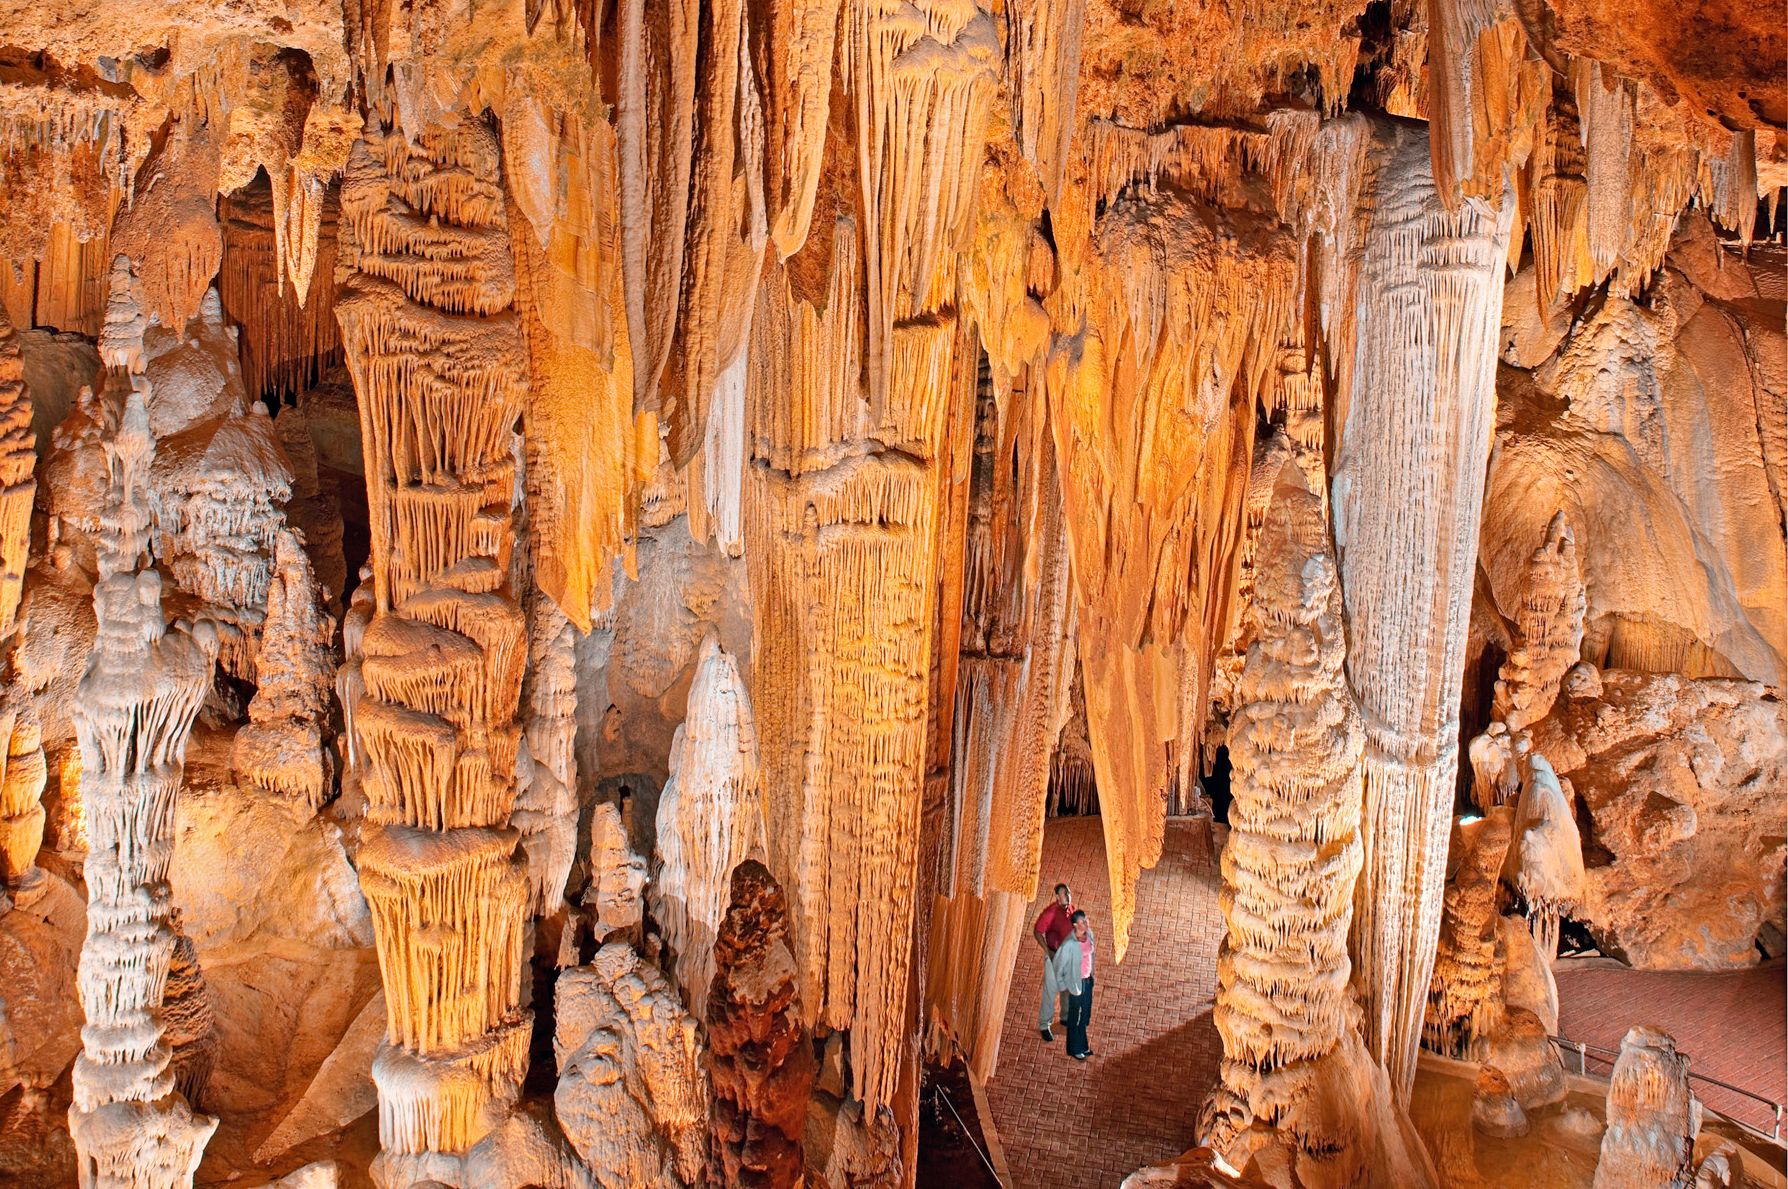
[[816, 442], [282, 746], [760, 1061], [710, 819], [1550, 627], [1292, 1056], [141, 691], [190, 1027], [1407, 495], [631, 1096], [1653, 1117], [1464, 1001], [439, 363], [615, 897]]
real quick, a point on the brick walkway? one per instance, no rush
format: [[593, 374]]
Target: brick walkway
[[1731, 1024], [1072, 1125]]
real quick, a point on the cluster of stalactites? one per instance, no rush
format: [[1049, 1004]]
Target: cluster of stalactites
[[1607, 166], [1283, 1003], [1149, 421], [440, 369]]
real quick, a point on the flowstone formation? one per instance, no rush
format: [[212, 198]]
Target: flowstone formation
[[22, 779]]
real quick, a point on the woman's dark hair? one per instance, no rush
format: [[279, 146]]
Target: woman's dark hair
[[1060, 888], [1078, 916]]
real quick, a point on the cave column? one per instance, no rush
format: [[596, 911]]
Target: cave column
[[440, 369], [1408, 484]]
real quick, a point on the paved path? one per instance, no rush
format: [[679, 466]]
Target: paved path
[[1067, 1124], [1731, 1024]]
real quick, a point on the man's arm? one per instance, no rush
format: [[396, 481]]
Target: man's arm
[[1037, 929]]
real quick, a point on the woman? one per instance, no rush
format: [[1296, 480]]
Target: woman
[[1072, 971]]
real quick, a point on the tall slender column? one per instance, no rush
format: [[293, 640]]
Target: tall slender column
[[1408, 486]]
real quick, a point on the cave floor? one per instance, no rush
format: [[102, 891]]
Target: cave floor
[[1067, 1124], [1732, 1024]]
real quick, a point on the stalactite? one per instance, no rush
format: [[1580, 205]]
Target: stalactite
[[588, 453], [726, 233], [1043, 42], [169, 229], [439, 363], [1284, 1008], [282, 746], [141, 692], [1407, 495], [654, 137], [797, 97], [760, 1061], [1545, 863], [842, 503], [710, 819]]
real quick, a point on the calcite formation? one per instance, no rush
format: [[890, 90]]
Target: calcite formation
[[281, 748], [814, 442], [631, 1097], [710, 820], [760, 1060], [1676, 779], [439, 362], [131, 1124], [1652, 1116], [22, 779]]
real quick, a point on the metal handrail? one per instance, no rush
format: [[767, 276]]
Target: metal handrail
[[968, 1135], [1609, 1056]]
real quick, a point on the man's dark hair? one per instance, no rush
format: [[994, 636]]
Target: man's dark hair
[[1060, 888], [1078, 916]]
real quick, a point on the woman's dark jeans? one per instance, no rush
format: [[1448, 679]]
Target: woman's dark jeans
[[1080, 1014]]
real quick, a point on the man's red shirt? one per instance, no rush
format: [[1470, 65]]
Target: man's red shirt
[[1055, 924]]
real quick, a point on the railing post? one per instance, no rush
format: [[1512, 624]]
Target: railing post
[[1778, 1131]]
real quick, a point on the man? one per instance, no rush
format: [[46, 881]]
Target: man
[[1052, 928]]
